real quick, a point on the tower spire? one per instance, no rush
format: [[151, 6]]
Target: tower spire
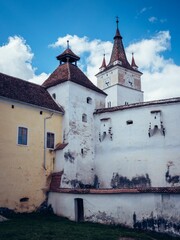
[[103, 65], [133, 64], [118, 55]]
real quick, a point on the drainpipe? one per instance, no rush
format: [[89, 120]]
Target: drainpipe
[[45, 137]]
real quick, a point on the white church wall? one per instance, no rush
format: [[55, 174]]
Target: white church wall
[[77, 159], [128, 157], [153, 211], [122, 95]]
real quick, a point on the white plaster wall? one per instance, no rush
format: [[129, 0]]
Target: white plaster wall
[[79, 135], [120, 208], [132, 153], [120, 95]]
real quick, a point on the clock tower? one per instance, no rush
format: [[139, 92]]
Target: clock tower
[[120, 79]]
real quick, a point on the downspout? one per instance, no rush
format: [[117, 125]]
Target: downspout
[[45, 137]]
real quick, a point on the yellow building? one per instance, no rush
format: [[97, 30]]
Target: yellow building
[[30, 128]]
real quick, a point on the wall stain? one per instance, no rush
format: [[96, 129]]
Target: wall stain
[[119, 181], [159, 224], [171, 179], [79, 184], [69, 156]]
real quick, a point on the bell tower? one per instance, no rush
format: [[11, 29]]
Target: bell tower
[[120, 79]]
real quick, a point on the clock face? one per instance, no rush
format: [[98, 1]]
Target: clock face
[[129, 81], [107, 82]]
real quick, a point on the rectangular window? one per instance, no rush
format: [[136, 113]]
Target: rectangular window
[[50, 140], [22, 135]]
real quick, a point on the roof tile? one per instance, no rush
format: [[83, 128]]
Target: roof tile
[[27, 92]]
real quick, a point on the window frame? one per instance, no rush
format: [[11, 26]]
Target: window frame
[[49, 146], [84, 118], [22, 141]]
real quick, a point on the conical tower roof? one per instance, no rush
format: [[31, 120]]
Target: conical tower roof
[[103, 65], [67, 71], [133, 64], [118, 55]]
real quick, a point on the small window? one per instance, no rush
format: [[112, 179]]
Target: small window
[[84, 118], [50, 140], [89, 100], [82, 151], [22, 135], [128, 122], [109, 104], [54, 95]]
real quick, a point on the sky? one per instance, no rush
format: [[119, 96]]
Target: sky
[[33, 33]]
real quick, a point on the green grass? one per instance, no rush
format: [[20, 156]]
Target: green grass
[[50, 227]]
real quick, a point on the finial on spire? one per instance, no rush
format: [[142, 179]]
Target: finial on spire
[[67, 44], [117, 21]]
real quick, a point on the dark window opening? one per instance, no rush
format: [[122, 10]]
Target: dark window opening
[[89, 100], [84, 118], [24, 199], [22, 135], [54, 95], [12, 106], [50, 140], [128, 122], [41, 112], [82, 150]]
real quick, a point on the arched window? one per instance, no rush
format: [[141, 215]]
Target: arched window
[[54, 95], [89, 100], [84, 117]]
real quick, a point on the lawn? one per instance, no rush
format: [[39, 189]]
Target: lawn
[[36, 226]]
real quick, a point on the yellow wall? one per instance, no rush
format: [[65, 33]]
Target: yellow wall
[[21, 167]]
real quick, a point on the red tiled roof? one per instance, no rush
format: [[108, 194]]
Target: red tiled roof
[[118, 53], [133, 64], [70, 72], [136, 105], [103, 65], [174, 190], [60, 146], [26, 92], [68, 53]]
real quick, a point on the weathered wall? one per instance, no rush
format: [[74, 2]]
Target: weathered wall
[[128, 154], [23, 179], [76, 160], [151, 211]]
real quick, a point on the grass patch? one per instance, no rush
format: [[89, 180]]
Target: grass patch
[[37, 226]]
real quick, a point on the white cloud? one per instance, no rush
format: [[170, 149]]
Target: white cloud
[[153, 19], [160, 77], [17, 60]]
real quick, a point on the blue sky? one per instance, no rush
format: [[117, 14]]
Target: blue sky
[[42, 27]]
